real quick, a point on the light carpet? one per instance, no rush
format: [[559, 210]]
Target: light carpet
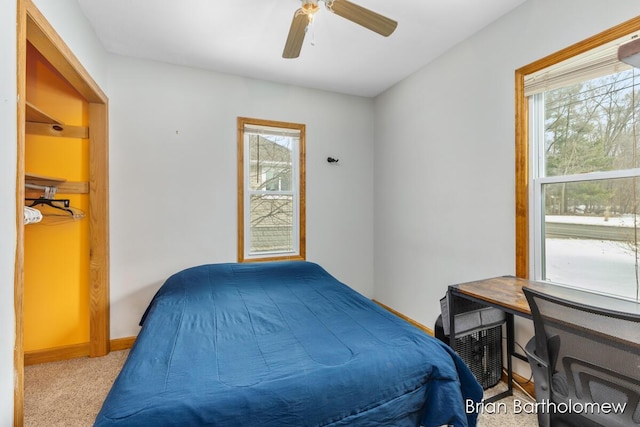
[[70, 394]]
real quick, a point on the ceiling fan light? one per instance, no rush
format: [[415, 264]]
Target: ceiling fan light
[[310, 7], [629, 52]]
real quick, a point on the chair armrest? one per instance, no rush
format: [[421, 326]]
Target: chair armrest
[[541, 379], [530, 352]]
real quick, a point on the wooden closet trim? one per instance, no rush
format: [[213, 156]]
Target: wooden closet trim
[[45, 39], [99, 229], [34, 28], [18, 287]]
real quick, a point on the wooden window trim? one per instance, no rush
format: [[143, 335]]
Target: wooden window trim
[[302, 193], [522, 131]]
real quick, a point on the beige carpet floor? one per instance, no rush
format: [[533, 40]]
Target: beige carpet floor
[[513, 411], [70, 394]]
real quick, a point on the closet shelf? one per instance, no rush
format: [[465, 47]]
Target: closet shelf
[[40, 123], [45, 181], [63, 186], [36, 115]]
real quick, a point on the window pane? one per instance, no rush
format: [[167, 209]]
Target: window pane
[[590, 239], [589, 126], [272, 223], [271, 162]]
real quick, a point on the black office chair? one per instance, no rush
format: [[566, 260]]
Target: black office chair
[[585, 363]]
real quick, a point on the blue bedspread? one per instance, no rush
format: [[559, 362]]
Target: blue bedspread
[[282, 344]]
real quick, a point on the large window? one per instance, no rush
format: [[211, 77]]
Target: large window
[[577, 139], [271, 190]]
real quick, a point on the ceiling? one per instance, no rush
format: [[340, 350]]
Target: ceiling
[[246, 37]]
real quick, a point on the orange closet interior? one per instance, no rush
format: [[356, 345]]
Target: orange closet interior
[[56, 250]]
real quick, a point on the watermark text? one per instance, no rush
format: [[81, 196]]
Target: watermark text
[[544, 406]]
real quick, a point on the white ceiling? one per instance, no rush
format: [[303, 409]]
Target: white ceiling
[[247, 37]]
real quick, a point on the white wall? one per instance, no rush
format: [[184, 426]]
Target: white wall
[[8, 149], [444, 184], [173, 195], [173, 175]]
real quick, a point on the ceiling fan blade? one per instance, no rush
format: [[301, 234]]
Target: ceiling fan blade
[[362, 16], [296, 35]]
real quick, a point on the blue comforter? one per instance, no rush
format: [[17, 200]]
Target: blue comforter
[[282, 344]]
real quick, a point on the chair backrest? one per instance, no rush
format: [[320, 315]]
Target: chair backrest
[[594, 359]]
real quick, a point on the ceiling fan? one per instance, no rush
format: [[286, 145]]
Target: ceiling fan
[[351, 11]]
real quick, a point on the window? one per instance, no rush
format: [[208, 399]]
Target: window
[[577, 168], [271, 190]]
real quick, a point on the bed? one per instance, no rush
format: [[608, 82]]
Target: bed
[[282, 344]]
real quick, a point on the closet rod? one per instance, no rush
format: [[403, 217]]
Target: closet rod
[[49, 191], [37, 187], [62, 187]]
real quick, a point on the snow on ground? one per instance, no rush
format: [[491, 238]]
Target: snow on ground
[[617, 221], [600, 265]]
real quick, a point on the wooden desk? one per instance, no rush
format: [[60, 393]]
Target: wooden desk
[[505, 293]]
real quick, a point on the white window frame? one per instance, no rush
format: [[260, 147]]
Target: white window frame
[[538, 180]]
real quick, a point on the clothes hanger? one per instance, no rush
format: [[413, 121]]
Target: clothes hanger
[[31, 215], [47, 199], [52, 203], [51, 218]]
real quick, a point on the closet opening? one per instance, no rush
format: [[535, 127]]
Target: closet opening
[[61, 284]]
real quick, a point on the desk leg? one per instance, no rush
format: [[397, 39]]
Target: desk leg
[[510, 350], [452, 319]]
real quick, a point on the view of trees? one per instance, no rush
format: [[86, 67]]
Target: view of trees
[[271, 206], [591, 127]]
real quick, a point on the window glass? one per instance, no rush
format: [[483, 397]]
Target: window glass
[[586, 184], [272, 161], [271, 224], [589, 126], [590, 239]]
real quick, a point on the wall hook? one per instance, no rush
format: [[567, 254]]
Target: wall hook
[[332, 160]]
